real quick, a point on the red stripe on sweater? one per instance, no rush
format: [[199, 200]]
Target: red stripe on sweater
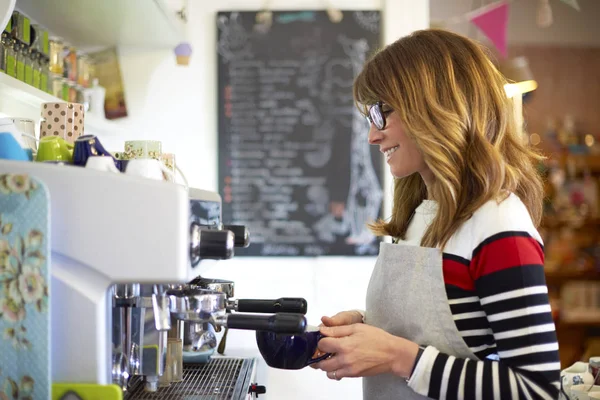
[[506, 252], [457, 274]]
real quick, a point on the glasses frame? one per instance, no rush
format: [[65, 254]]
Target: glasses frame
[[377, 108]]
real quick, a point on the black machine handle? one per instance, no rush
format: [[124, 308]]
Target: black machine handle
[[210, 244], [242, 235], [286, 323], [296, 305]]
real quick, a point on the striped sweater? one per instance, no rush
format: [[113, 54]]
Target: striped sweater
[[494, 278]]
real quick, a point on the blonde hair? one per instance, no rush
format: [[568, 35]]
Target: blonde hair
[[452, 103]]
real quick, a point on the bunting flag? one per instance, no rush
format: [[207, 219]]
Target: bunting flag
[[493, 22], [572, 3]]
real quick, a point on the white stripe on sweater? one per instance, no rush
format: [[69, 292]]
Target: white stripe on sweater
[[477, 332], [524, 387], [479, 381], [538, 348], [513, 294], [472, 299], [520, 312], [530, 330], [469, 315], [496, 381], [446, 377], [552, 366]]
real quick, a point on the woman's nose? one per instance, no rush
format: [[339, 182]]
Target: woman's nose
[[375, 135]]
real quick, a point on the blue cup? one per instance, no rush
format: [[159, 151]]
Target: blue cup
[[290, 351], [87, 146], [10, 149]]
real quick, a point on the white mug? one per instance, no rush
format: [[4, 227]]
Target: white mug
[[101, 163], [148, 168], [576, 374], [22, 129], [584, 392]]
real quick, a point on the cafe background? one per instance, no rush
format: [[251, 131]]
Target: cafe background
[[158, 99]]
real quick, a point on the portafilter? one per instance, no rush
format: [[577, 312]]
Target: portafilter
[[193, 304]]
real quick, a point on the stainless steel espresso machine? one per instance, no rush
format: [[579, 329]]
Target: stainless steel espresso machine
[[154, 323], [125, 297]]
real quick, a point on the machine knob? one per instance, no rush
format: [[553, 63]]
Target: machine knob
[[242, 235], [210, 244]]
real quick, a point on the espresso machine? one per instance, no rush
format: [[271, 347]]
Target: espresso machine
[[124, 285]]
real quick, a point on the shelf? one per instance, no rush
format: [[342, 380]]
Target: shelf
[[18, 99], [582, 161], [92, 24], [559, 278]]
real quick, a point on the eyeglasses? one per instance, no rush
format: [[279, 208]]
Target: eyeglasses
[[377, 115]]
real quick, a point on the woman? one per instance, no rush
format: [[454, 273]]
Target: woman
[[457, 306]]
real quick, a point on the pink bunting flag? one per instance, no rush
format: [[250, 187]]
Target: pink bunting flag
[[492, 20]]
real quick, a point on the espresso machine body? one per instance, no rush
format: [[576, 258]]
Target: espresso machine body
[[125, 254], [105, 229]]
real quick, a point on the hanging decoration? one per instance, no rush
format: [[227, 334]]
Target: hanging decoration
[[544, 14], [492, 20], [572, 3], [183, 53]]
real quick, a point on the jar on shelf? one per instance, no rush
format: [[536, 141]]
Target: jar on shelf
[[29, 65], [56, 56], [66, 89], [37, 71], [4, 43], [10, 58], [83, 70], [72, 94], [45, 75], [21, 27], [70, 64], [55, 84], [20, 54]]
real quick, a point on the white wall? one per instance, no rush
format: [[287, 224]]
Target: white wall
[[178, 106]]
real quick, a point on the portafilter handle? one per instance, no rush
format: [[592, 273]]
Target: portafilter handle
[[286, 323], [241, 233], [210, 244], [296, 305]]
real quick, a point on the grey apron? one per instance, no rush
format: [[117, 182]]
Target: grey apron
[[407, 297]]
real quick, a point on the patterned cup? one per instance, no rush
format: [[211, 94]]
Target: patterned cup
[[63, 120], [169, 160], [142, 149]]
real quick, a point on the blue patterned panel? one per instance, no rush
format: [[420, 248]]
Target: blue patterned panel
[[24, 288]]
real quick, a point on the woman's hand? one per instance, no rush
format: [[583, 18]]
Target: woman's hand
[[339, 319], [363, 350], [343, 318]]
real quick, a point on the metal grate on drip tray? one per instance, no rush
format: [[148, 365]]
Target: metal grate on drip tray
[[222, 378]]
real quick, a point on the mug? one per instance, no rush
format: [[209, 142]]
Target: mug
[[87, 146], [147, 168], [576, 374], [142, 149], [102, 163], [54, 148], [583, 392], [290, 351], [62, 119], [10, 148], [594, 367], [23, 129]]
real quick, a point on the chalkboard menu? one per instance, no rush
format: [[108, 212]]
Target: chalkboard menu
[[295, 165]]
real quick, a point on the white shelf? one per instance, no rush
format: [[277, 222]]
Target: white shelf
[[89, 24], [18, 99]]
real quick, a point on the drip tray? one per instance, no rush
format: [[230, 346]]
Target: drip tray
[[222, 378]]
